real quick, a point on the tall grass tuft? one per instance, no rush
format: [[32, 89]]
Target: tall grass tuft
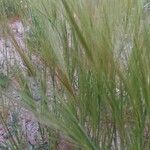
[[95, 58]]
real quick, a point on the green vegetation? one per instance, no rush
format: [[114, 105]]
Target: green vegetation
[[13, 8], [95, 57], [3, 80]]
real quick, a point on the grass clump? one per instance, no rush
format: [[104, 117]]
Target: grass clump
[[95, 65]]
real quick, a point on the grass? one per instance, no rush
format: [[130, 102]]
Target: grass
[[3, 80], [95, 58], [10, 8]]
